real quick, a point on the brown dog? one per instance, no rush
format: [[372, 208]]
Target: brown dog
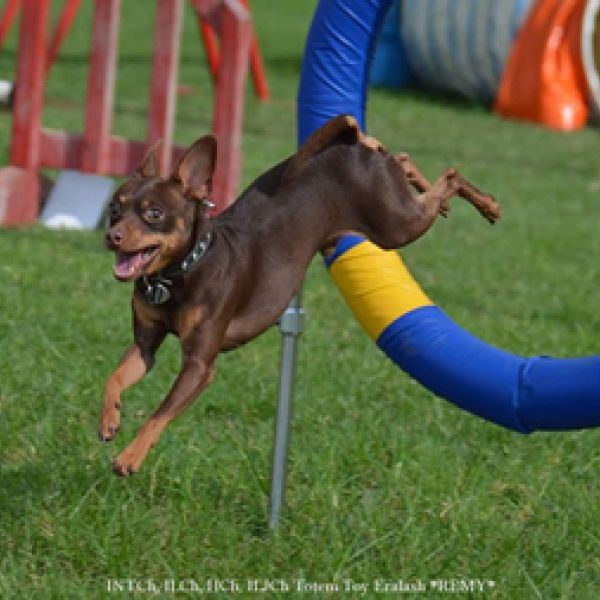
[[217, 283]]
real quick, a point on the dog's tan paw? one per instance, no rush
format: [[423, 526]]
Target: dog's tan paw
[[110, 422], [491, 211], [128, 462], [444, 209]]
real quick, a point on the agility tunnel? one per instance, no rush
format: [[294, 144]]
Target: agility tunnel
[[463, 45], [533, 60], [522, 394]]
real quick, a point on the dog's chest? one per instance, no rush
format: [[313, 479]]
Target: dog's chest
[[180, 320]]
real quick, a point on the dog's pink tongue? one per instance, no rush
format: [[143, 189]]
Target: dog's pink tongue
[[127, 265]]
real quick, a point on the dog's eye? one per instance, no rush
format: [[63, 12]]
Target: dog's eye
[[153, 214], [114, 210]]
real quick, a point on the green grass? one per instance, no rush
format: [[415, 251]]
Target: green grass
[[385, 481]]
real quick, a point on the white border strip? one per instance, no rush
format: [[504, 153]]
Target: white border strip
[[590, 18]]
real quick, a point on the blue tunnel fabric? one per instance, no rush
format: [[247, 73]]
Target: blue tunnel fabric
[[522, 394], [339, 48], [455, 365], [560, 393]]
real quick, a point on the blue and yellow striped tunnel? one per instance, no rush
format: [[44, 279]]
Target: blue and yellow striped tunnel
[[519, 393]]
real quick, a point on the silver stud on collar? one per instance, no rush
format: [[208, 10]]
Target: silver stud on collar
[[196, 254], [156, 290]]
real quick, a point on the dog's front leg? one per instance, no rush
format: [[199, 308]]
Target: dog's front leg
[[136, 362], [192, 379], [197, 372]]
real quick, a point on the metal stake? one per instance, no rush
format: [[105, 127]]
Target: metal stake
[[291, 325]]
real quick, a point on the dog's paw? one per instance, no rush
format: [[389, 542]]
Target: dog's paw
[[491, 210], [110, 422], [444, 209], [128, 462]]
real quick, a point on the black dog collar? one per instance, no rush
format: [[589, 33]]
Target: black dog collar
[[156, 288]]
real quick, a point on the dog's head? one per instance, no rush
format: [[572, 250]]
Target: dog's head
[[153, 220]]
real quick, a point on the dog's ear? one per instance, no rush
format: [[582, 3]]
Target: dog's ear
[[149, 165], [196, 167]]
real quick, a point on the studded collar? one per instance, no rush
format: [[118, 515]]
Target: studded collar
[[156, 289]]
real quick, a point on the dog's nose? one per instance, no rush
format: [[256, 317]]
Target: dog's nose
[[114, 237]]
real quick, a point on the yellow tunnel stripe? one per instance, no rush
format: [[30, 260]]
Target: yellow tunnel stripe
[[377, 286]]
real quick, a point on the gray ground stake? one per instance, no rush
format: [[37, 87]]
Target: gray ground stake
[[291, 325]]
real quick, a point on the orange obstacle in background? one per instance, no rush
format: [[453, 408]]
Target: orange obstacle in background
[[544, 79], [213, 55]]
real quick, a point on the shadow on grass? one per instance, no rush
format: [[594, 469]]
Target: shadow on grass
[[28, 489]]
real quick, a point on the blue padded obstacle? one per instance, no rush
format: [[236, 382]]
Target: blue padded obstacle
[[337, 58], [523, 394], [390, 67]]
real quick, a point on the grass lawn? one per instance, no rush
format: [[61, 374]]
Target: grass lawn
[[386, 482]]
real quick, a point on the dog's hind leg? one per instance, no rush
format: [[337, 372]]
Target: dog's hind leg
[[414, 176], [451, 183], [429, 204], [418, 180]]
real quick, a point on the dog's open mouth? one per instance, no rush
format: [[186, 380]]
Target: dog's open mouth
[[131, 265]]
